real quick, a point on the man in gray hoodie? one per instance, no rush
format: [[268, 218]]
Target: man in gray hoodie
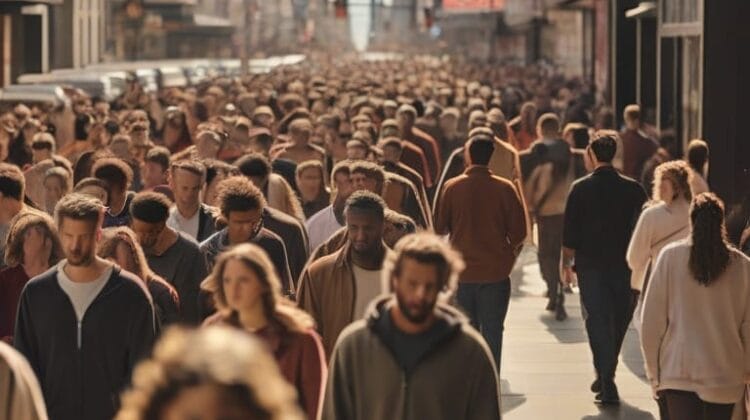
[[412, 349]]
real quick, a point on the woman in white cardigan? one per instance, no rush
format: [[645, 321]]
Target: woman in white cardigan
[[666, 220], [695, 335]]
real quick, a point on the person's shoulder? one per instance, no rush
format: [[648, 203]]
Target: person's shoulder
[[187, 242], [280, 217], [675, 249], [42, 281], [210, 241], [268, 236], [505, 147], [352, 334], [320, 215], [456, 180], [324, 264], [129, 283]]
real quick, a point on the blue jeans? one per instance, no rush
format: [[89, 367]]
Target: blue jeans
[[608, 301], [486, 304]]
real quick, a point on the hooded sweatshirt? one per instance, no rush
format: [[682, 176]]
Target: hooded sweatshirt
[[378, 372], [83, 366]]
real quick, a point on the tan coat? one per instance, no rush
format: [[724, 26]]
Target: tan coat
[[20, 394], [327, 291]]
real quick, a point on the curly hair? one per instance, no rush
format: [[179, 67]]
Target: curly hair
[[235, 363], [277, 309], [20, 225], [238, 193], [679, 174], [710, 249]]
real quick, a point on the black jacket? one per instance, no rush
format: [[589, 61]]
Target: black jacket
[[294, 235], [212, 247], [206, 222], [83, 367]]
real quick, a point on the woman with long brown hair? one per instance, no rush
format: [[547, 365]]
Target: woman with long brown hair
[[120, 245], [32, 247], [696, 320], [247, 295]]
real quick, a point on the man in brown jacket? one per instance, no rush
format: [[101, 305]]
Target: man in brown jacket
[[404, 360], [337, 288], [485, 218]]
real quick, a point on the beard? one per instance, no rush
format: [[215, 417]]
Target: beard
[[79, 259], [415, 314]]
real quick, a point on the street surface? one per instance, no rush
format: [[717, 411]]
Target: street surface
[[547, 365]]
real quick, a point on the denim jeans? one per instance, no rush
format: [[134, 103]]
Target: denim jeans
[[608, 302], [486, 304]]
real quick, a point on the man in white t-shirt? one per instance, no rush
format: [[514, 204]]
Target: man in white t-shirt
[[337, 289], [323, 224], [188, 215], [84, 324]]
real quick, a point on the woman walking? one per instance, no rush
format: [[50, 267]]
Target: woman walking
[[247, 295], [696, 320]]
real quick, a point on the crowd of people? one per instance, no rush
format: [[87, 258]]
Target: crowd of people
[[335, 240]]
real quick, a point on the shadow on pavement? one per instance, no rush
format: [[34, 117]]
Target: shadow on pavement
[[570, 331], [624, 411], [510, 401]]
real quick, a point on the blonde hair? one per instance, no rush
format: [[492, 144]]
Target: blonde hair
[[277, 309], [235, 362], [679, 174]]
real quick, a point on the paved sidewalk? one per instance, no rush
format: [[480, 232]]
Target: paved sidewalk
[[547, 365]]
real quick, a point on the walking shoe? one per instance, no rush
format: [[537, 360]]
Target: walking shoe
[[596, 386], [560, 313], [550, 305], [608, 395]]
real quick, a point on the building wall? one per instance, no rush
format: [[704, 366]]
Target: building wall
[[562, 40]]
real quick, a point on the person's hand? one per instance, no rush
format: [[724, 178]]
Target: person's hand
[[568, 276], [654, 391]]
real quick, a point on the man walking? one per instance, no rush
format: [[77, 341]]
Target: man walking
[[486, 221], [337, 288], [171, 254], [600, 216], [546, 191], [188, 215], [404, 359], [241, 204], [84, 324]]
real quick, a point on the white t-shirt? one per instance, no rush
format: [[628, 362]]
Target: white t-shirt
[[321, 226], [368, 286], [187, 226], [81, 294]]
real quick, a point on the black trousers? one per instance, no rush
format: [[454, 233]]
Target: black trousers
[[608, 303], [550, 244], [684, 405]]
